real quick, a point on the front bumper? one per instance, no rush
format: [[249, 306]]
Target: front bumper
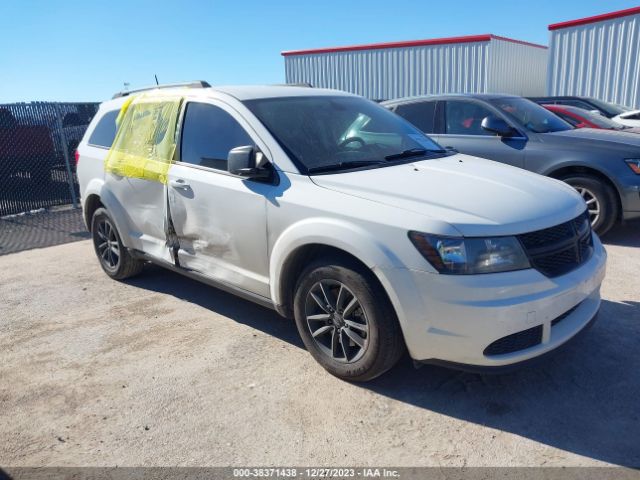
[[449, 318], [630, 197]]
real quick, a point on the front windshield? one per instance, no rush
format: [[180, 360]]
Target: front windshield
[[325, 132], [530, 115], [611, 108]]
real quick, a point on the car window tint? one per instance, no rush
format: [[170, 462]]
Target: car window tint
[[465, 118], [578, 104], [208, 134], [568, 118], [420, 114], [105, 131]]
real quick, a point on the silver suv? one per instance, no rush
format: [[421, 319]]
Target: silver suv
[[330, 209]]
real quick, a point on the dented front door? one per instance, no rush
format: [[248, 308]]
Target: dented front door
[[220, 224]]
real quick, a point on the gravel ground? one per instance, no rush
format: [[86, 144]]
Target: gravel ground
[[161, 370]]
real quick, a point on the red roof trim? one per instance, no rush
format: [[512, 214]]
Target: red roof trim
[[411, 43], [596, 18]]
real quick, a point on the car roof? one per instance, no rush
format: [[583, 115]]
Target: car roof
[[239, 92], [562, 97], [420, 98], [251, 92]]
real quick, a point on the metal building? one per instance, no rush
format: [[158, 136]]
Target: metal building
[[597, 57], [469, 64]]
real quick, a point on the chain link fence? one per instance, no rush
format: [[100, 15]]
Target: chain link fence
[[37, 153]]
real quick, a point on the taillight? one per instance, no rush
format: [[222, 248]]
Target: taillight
[[77, 154]]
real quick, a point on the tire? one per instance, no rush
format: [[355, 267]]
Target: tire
[[598, 194], [372, 319], [114, 257]]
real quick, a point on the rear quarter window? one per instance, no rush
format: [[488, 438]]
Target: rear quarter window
[[105, 131], [420, 114]]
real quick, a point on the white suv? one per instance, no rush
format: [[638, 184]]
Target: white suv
[[330, 209]]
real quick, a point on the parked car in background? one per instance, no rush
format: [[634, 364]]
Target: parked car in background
[[330, 209], [601, 164], [27, 150], [606, 109], [580, 118], [629, 119], [74, 120]]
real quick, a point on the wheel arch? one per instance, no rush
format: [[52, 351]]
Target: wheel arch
[[91, 204], [293, 252], [95, 196], [566, 170]]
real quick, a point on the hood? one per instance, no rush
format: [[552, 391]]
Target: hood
[[598, 138], [477, 197]]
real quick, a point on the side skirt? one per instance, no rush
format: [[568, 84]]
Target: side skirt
[[259, 299]]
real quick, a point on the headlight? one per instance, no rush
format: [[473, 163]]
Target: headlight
[[468, 256], [634, 164]]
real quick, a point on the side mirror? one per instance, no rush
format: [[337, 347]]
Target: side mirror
[[248, 162], [581, 125], [496, 125]]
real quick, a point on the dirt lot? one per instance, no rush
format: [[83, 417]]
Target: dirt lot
[[161, 370]]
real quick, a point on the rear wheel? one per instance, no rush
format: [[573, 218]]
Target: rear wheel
[[600, 198], [114, 258], [346, 321]]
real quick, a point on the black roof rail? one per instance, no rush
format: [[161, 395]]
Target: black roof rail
[[196, 84]]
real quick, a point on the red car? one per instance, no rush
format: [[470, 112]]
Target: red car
[[580, 118]]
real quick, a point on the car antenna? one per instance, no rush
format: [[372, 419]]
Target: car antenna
[[157, 83]]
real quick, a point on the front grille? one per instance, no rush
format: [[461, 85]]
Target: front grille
[[558, 250], [515, 342]]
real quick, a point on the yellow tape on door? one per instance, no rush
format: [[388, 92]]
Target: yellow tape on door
[[145, 140]]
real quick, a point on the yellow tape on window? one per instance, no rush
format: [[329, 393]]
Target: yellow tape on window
[[145, 141]]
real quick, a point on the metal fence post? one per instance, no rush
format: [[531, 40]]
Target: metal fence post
[[63, 138]]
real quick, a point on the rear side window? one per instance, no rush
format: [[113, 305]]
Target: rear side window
[[420, 114], [105, 131], [208, 134]]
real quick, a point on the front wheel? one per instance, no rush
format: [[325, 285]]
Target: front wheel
[[600, 198], [346, 321], [114, 257]]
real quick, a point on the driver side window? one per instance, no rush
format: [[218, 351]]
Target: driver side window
[[208, 134], [465, 118]]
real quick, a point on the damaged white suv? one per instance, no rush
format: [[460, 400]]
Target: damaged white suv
[[330, 209]]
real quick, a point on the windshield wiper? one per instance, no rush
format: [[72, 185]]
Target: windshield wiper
[[343, 166], [412, 152]]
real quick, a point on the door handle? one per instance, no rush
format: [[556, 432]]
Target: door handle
[[179, 183]]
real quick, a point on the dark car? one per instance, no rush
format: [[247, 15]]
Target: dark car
[[25, 149], [603, 165], [606, 109], [580, 118]]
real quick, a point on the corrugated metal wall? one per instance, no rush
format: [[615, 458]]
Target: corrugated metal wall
[[474, 67], [518, 69], [599, 60], [395, 72]]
